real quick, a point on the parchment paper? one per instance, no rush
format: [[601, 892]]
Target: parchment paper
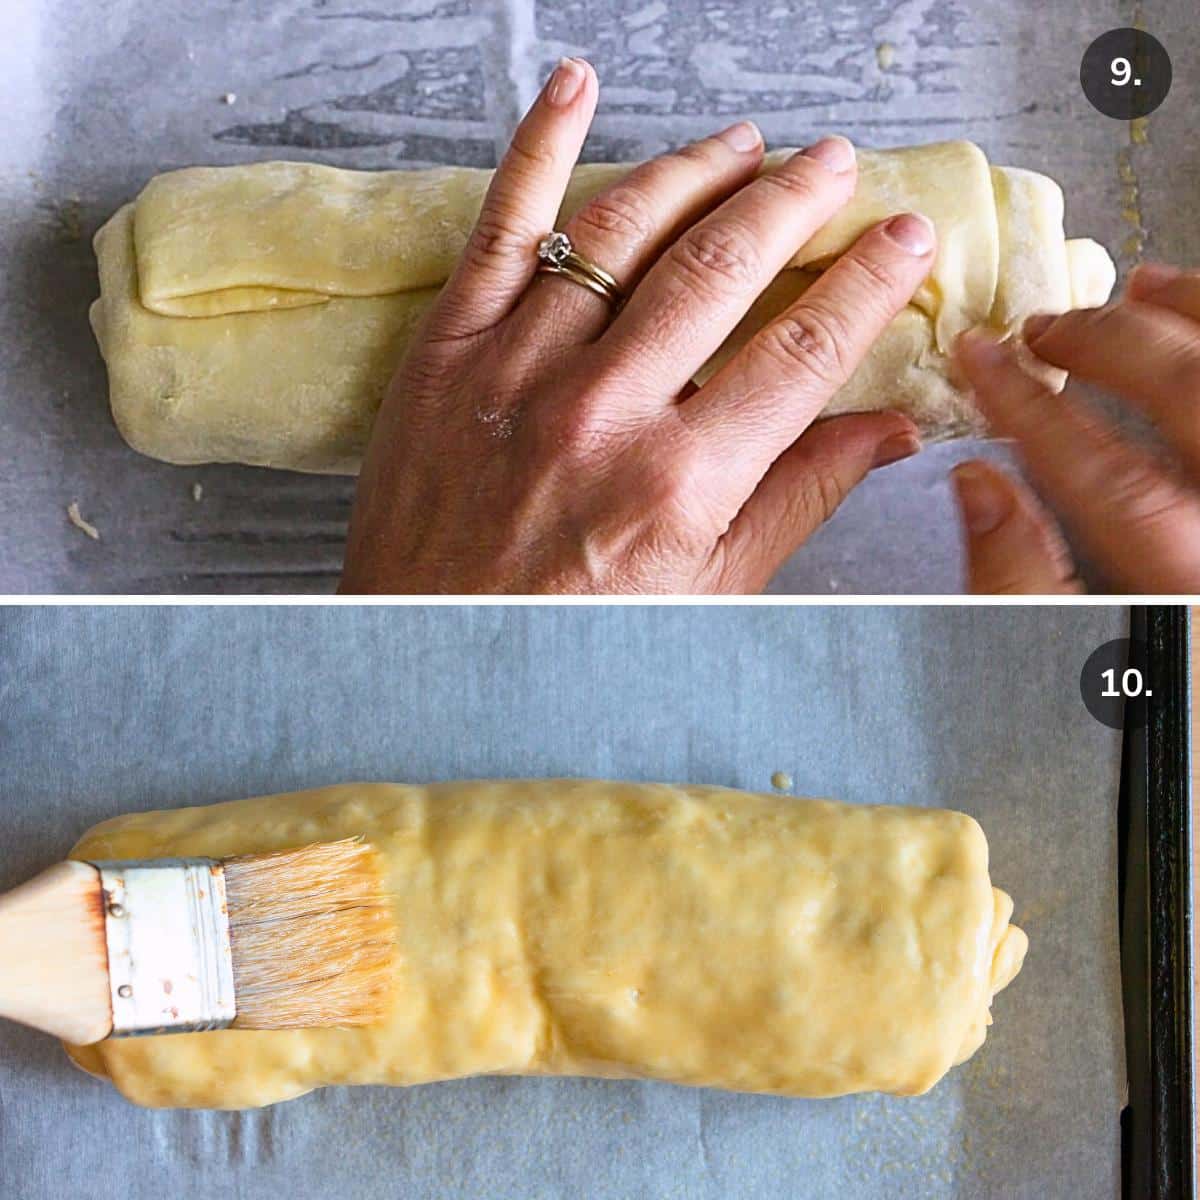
[[104, 711]]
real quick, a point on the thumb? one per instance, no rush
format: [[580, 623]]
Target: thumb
[[1013, 545], [803, 488]]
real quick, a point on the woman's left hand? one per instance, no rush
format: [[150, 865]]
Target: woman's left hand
[[534, 441]]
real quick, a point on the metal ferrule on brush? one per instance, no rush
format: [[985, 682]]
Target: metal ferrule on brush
[[170, 963]]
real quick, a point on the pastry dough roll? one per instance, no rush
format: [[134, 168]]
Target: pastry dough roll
[[255, 313], [576, 927]]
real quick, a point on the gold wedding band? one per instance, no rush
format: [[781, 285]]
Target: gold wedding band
[[556, 256]]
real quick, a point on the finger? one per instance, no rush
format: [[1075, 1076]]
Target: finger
[[521, 204], [627, 226], [804, 488], [774, 387], [1168, 287], [1127, 509], [1144, 353], [1013, 545], [695, 294]]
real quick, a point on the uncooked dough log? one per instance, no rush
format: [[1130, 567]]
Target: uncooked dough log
[[255, 314], [575, 927]]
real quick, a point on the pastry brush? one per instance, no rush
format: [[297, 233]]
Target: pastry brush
[[286, 940]]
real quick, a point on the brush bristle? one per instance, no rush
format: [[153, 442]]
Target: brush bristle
[[313, 937]]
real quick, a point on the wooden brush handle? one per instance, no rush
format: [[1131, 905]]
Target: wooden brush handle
[[53, 955]]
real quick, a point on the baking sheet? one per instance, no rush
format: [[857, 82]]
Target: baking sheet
[[97, 98], [106, 710]]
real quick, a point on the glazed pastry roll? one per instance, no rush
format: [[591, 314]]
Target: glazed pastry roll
[[574, 927], [256, 313]]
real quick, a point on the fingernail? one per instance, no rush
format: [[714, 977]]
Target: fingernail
[[912, 232], [834, 153], [985, 504], [1036, 325], [565, 82], [1149, 277], [894, 448], [742, 137], [982, 349]]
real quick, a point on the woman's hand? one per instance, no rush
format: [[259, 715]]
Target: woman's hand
[[1134, 512], [533, 441]]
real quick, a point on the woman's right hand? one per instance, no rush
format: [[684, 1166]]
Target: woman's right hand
[[1133, 511]]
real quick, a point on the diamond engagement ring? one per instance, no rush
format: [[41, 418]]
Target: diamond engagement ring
[[557, 256]]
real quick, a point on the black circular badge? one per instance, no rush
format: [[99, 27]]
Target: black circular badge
[[1114, 684], [1125, 73]]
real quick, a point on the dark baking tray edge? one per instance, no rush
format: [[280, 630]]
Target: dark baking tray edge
[[1155, 899]]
